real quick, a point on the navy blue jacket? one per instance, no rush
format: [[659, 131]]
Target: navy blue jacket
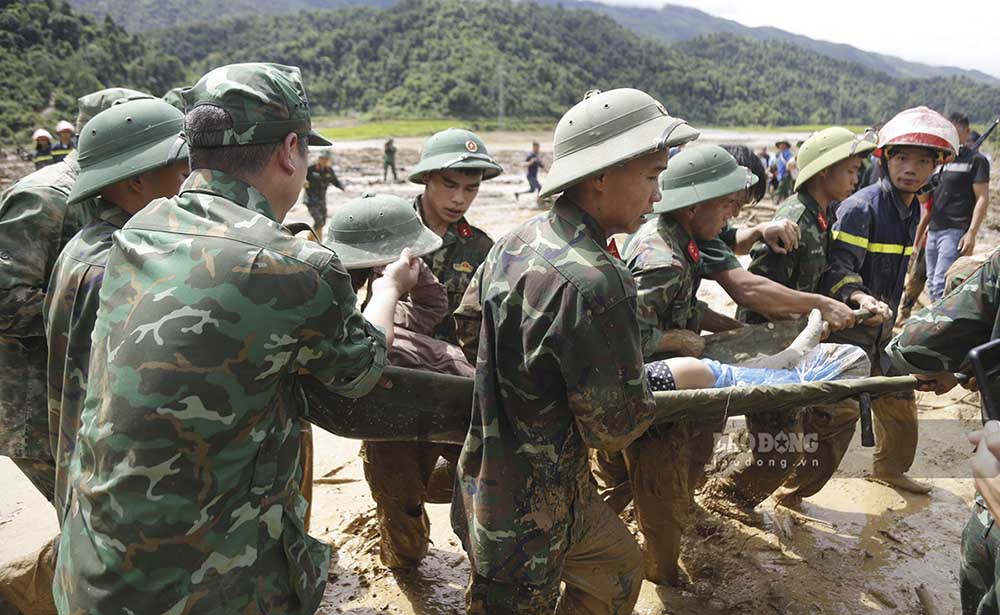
[[871, 248]]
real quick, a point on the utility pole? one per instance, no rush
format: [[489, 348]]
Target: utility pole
[[500, 92]]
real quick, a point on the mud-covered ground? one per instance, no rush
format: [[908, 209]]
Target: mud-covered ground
[[856, 547]]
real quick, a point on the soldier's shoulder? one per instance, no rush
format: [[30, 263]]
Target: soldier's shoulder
[[601, 279], [790, 209], [92, 244], [650, 248], [49, 185]]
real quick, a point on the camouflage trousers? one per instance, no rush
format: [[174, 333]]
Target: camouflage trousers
[[659, 472], [980, 568], [26, 583], [403, 476], [41, 473], [602, 572]]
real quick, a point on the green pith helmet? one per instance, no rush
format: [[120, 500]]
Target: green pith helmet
[[698, 174], [372, 230], [608, 128], [828, 147], [174, 99], [132, 137], [95, 102], [454, 148]]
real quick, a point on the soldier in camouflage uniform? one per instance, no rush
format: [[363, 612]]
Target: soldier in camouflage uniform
[[184, 487], [364, 233], [560, 370], [35, 224], [934, 344], [660, 469], [829, 163], [452, 165], [129, 155]]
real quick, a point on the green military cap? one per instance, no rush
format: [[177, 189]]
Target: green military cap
[[609, 128], [372, 230], [174, 98], [828, 147], [132, 137], [698, 174], [95, 102], [454, 148], [266, 102]]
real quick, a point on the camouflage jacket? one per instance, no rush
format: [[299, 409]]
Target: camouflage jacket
[[938, 338], [803, 268], [464, 249], [35, 224], [667, 274], [559, 370], [185, 482], [70, 311], [717, 253]]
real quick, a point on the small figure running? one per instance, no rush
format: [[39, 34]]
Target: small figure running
[[532, 163]]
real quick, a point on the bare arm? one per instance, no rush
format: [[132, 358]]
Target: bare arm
[[764, 296], [968, 241], [782, 236]]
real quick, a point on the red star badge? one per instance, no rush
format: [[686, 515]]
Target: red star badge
[[613, 249], [464, 230], [693, 251], [821, 220]]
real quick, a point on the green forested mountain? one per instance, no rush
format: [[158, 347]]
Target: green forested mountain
[[455, 58], [670, 23], [464, 58], [51, 56], [674, 23]]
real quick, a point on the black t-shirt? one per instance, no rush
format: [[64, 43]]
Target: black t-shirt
[[535, 163], [319, 180], [954, 199]]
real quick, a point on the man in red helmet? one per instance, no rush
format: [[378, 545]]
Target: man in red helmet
[[872, 243]]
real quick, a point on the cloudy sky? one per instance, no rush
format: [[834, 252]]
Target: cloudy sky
[[962, 33]]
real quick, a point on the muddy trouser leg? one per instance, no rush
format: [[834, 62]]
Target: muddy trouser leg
[[701, 444], [306, 459], [397, 473], [980, 567], [769, 460], [611, 475], [41, 473], [602, 571], [833, 427], [895, 421], [916, 279], [659, 467], [26, 583]]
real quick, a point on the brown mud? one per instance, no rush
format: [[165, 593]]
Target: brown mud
[[856, 547]]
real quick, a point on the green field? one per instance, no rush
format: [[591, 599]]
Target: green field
[[355, 130], [380, 129]]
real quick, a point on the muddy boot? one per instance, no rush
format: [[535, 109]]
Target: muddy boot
[[719, 497], [901, 481], [441, 484]]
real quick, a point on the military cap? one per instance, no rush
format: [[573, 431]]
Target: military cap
[[454, 148], [372, 230], [95, 102], [609, 128], [266, 102], [698, 174], [132, 137], [828, 147]]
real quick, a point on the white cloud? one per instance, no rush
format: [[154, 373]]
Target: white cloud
[[961, 33]]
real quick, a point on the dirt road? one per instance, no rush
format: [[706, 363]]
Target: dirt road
[[856, 547]]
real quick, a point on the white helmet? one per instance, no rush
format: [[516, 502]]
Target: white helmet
[[64, 125], [41, 133], [920, 127]]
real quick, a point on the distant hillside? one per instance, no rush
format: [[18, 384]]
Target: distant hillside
[[674, 23], [461, 58], [669, 24], [51, 56]]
